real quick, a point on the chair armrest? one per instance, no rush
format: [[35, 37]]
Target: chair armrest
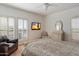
[[3, 48]]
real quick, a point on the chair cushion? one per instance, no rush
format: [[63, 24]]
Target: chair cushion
[[5, 39], [1, 40], [4, 44], [10, 44]]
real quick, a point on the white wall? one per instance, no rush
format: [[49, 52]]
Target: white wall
[[9, 11], [47, 23], [66, 17]]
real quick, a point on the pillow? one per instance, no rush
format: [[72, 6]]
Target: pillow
[[44, 33]]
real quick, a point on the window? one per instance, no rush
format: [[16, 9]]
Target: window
[[75, 23], [75, 28], [25, 31], [22, 28], [13, 27], [3, 26]]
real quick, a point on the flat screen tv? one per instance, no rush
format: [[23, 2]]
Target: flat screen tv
[[35, 26]]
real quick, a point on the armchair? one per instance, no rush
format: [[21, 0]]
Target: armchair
[[7, 46]]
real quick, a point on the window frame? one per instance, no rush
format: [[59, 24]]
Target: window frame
[[23, 26], [15, 25], [74, 31]]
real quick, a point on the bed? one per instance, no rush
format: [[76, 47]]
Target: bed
[[49, 47]]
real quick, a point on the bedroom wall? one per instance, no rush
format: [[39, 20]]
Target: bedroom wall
[[14, 12], [66, 16]]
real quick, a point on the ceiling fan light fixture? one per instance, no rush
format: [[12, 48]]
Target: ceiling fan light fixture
[[46, 6]]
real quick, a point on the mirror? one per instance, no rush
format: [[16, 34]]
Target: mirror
[[59, 25]]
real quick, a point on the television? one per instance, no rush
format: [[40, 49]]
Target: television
[[35, 26]]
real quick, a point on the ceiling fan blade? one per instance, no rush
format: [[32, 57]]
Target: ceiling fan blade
[[52, 5], [47, 5], [39, 6]]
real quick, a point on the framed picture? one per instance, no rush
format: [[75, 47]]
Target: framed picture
[[35, 26]]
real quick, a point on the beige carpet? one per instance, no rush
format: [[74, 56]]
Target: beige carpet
[[21, 47], [18, 52]]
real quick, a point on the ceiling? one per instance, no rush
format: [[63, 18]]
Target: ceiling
[[39, 8]]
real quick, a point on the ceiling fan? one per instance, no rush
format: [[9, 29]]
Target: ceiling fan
[[46, 6]]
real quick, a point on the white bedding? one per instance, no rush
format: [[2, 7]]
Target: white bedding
[[49, 47]]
